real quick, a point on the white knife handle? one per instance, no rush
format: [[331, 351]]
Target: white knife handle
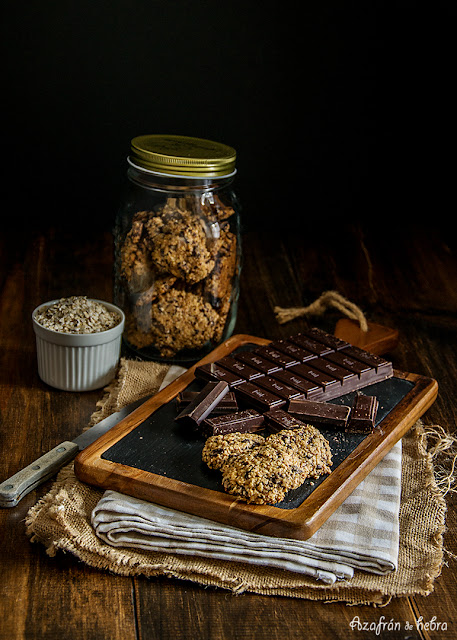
[[22, 482]]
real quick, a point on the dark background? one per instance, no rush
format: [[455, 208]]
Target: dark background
[[337, 110]]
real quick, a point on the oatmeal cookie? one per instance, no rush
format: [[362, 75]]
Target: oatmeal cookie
[[309, 444], [177, 245], [263, 475], [218, 450], [181, 320]]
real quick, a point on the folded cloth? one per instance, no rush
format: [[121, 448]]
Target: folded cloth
[[363, 533]]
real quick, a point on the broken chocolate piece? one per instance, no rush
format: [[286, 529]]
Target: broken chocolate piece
[[333, 415], [203, 403], [278, 419], [228, 403], [363, 414], [248, 421]]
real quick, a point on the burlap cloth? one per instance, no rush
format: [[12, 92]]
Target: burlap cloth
[[61, 521]]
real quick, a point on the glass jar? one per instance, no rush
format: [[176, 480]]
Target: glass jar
[[178, 248]]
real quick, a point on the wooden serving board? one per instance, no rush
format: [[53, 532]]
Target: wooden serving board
[[150, 456]]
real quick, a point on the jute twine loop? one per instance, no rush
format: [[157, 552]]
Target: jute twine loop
[[319, 306]]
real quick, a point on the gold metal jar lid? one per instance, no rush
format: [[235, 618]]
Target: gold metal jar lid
[[182, 156]]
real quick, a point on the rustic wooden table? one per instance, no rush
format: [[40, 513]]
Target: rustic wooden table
[[406, 280]]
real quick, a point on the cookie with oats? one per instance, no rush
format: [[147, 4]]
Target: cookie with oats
[[263, 475], [309, 444], [218, 450]]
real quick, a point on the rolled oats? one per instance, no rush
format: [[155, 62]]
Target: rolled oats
[[77, 314]]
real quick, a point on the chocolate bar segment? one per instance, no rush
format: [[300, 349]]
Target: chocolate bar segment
[[278, 419], [240, 368], [363, 414], [343, 359], [310, 344], [324, 413], [334, 370], [228, 404], [327, 338], [248, 421], [204, 402], [277, 387], [277, 357], [257, 397], [214, 372], [378, 364], [257, 362], [309, 389], [328, 383], [292, 350]]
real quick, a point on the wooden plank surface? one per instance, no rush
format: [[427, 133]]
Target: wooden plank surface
[[403, 280]]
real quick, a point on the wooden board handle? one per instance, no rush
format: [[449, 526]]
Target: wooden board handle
[[378, 339]]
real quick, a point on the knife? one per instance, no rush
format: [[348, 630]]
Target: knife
[[21, 483]]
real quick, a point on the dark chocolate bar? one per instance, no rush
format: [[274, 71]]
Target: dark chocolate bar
[[204, 402], [260, 398], [333, 415], [248, 421], [228, 403], [363, 414], [319, 365]]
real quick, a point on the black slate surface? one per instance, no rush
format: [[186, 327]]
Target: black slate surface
[[161, 446]]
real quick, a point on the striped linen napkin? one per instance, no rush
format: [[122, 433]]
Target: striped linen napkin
[[363, 533]]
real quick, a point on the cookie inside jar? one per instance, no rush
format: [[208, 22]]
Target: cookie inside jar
[[178, 268]]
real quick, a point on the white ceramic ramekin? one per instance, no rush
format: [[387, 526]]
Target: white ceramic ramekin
[[78, 362]]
